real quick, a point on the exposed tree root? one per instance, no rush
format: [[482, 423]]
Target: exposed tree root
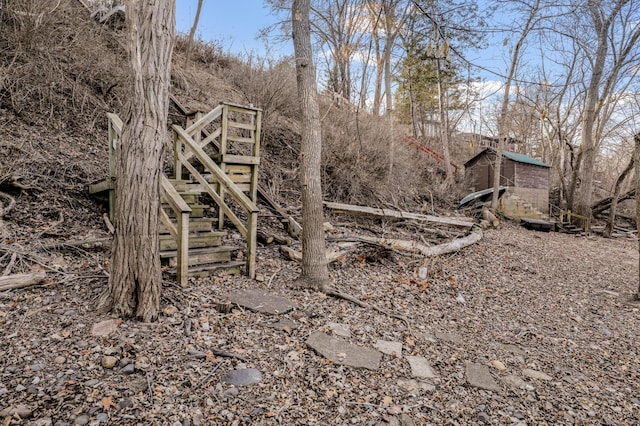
[[330, 291]]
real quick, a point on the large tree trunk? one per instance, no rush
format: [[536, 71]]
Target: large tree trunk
[[315, 273], [444, 122], [135, 280]]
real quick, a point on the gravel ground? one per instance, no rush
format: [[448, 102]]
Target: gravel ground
[[546, 316]]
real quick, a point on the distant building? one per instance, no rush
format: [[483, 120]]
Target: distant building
[[526, 178]]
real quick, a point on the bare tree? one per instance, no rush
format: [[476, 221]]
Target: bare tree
[[135, 280], [616, 32], [530, 23], [192, 32], [315, 273], [637, 154], [608, 230]]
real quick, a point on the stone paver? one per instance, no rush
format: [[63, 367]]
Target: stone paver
[[338, 329], [389, 347], [538, 375], [342, 352], [420, 367], [242, 377], [478, 375], [516, 382], [261, 301]]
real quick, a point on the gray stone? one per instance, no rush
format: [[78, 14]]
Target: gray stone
[[20, 388], [125, 403], [81, 420], [343, 352], [449, 337], [406, 420], [411, 385], [102, 417], [230, 393], [21, 411], [478, 375], [516, 382], [420, 367], [242, 377], [261, 301], [483, 417], [284, 324], [538, 375], [389, 347], [338, 329], [423, 272], [104, 328], [128, 369], [45, 421]]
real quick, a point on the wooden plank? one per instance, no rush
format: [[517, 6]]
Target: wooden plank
[[201, 256], [252, 231], [237, 159], [238, 169], [240, 178], [240, 139], [208, 239], [204, 120], [238, 125], [397, 214], [182, 248], [106, 184], [172, 197]]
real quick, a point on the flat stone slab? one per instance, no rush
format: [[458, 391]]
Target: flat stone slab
[[538, 375], [343, 352], [478, 375], [420, 367], [339, 329], [389, 347], [450, 337], [261, 301], [516, 382], [284, 325], [242, 377]]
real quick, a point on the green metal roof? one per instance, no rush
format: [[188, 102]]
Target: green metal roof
[[520, 158]]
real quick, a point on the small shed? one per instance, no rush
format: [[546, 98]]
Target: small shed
[[526, 179]]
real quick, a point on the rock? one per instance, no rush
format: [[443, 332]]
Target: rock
[[11, 369], [516, 382], [20, 388], [59, 360], [105, 328], [169, 311], [128, 369], [406, 420], [284, 325], [102, 417], [389, 347], [328, 227], [109, 361], [498, 365], [261, 301], [538, 375], [197, 354], [483, 417], [339, 329], [343, 352], [230, 393], [45, 421], [478, 375], [125, 403], [36, 367], [21, 411], [423, 272], [450, 337], [420, 367], [242, 377], [82, 420]]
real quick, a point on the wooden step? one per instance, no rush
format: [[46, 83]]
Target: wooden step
[[197, 210], [201, 256], [234, 268], [196, 224], [196, 240]]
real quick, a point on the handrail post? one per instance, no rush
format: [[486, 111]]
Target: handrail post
[[182, 269], [252, 232], [223, 151]]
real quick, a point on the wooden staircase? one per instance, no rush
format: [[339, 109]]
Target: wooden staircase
[[214, 184]]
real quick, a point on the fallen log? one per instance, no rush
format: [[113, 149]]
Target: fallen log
[[397, 214], [332, 254], [21, 280], [428, 251]]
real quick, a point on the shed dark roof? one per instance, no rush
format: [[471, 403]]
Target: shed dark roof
[[519, 158]]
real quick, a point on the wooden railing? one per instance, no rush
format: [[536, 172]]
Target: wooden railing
[[189, 149], [179, 230]]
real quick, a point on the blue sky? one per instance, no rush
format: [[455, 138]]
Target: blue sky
[[235, 24]]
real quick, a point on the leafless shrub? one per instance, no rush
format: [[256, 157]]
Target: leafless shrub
[[62, 69]]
